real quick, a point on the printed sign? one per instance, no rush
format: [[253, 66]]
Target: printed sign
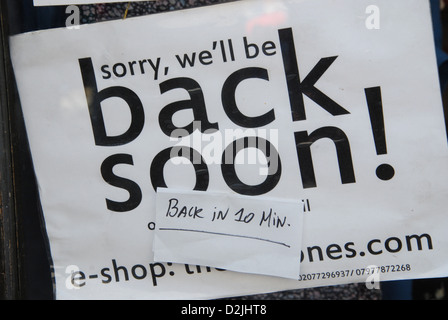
[[332, 104]]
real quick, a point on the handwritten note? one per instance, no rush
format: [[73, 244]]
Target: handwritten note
[[238, 233]]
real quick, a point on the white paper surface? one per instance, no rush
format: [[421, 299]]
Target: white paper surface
[[244, 234], [255, 63]]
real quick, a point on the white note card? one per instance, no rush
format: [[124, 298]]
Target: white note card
[[232, 232]]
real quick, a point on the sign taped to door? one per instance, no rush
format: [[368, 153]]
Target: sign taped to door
[[289, 100]]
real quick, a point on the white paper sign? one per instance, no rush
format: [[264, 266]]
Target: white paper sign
[[340, 111], [244, 234]]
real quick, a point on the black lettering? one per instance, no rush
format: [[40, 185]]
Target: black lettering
[[183, 211], [106, 275], [418, 239], [141, 63], [229, 101], [94, 99], [187, 269], [136, 274], [228, 166], [187, 59], [205, 57], [303, 145], [267, 48], [106, 72], [117, 269], [196, 104], [348, 248], [172, 209], [131, 67], [76, 277], [298, 88], [155, 67], [116, 68], [154, 274], [369, 247], [135, 194], [398, 244], [248, 47], [266, 218], [333, 249], [319, 252], [159, 161]]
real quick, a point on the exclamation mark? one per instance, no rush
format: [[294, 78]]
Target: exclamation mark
[[375, 105]]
